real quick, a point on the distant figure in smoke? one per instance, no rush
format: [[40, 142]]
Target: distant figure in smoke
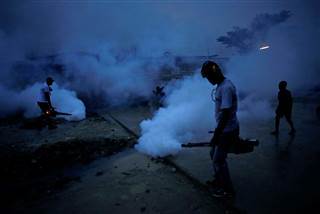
[[44, 102], [227, 130], [157, 101], [284, 108]]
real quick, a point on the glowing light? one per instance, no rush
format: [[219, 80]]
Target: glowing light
[[264, 47]]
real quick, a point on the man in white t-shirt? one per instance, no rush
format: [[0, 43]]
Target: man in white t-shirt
[[44, 102], [227, 130]]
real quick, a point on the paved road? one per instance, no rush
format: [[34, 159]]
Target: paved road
[[280, 176], [128, 182]]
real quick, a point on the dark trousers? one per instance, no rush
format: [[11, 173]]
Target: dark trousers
[[45, 108], [220, 165], [287, 114]]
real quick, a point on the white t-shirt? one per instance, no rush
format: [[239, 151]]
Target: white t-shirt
[[226, 98], [44, 89]]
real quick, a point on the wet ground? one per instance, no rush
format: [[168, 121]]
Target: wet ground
[[280, 176]]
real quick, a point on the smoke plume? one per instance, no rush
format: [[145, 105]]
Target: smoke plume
[[187, 116], [255, 74], [25, 102], [112, 54]]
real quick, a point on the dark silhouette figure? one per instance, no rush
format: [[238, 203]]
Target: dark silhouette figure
[[44, 102], [159, 96], [227, 130], [284, 108], [159, 91]]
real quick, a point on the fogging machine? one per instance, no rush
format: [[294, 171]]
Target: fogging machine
[[55, 113], [238, 146]]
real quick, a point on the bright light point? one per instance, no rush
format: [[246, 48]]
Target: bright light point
[[264, 47]]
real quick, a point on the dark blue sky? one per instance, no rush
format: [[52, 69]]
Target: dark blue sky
[[183, 27]]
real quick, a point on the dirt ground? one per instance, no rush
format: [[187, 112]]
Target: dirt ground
[[90, 167], [127, 183], [18, 134], [33, 161]]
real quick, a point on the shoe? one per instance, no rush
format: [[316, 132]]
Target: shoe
[[292, 132], [274, 133], [213, 183], [220, 193]]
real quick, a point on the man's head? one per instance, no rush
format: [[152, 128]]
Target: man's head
[[49, 81], [212, 72], [282, 85]]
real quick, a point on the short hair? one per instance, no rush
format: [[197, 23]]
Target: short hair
[[208, 67], [283, 84], [50, 79]]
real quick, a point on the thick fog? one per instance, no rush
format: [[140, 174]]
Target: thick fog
[[292, 56], [108, 53]]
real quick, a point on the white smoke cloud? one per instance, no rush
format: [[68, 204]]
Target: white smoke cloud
[[67, 28], [187, 116], [292, 56], [66, 101], [107, 79], [26, 102], [255, 108]]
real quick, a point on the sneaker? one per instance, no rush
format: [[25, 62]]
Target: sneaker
[[220, 193], [274, 133], [213, 183]]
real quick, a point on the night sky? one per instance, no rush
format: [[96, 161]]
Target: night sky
[[183, 27]]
